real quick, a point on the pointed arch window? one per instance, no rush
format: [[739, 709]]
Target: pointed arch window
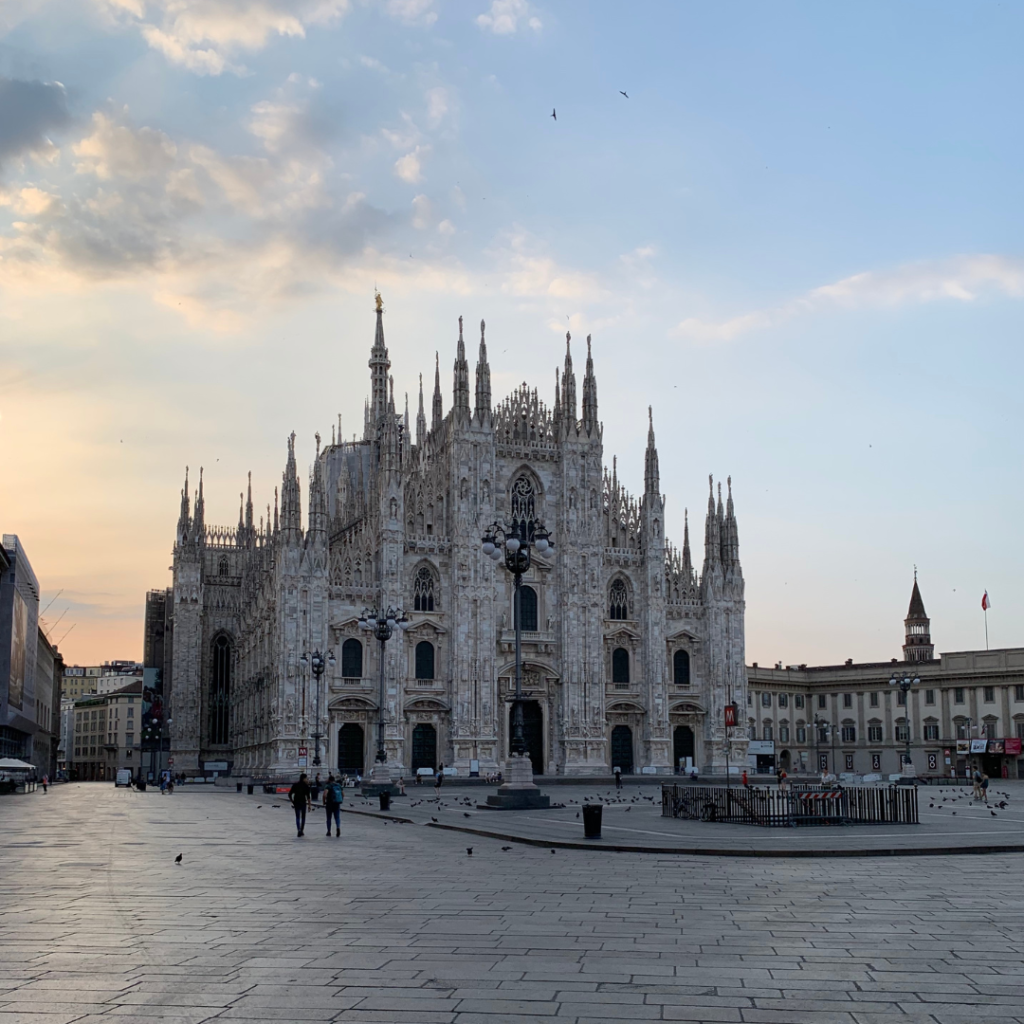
[[424, 660], [523, 506], [423, 595], [352, 659], [220, 690], [620, 665], [222, 568], [618, 601]]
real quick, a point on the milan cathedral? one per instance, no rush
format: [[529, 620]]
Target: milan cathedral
[[629, 655]]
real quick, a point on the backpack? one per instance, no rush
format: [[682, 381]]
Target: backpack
[[335, 794]]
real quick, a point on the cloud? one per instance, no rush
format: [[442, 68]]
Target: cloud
[[422, 213], [117, 150], [437, 105], [203, 36], [505, 16], [960, 279], [412, 12], [305, 125], [446, 228], [410, 167], [529, 274], [28, 111]]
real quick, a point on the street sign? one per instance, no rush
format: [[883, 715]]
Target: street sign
[[303, 751], [730, 715]]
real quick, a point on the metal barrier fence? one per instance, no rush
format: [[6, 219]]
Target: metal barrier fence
[[752, 805]]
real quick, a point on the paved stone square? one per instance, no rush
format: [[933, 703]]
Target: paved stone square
[[398, 923]]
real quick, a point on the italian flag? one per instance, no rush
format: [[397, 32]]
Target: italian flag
[[985, 602]]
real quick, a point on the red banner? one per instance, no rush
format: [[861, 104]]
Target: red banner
[[730, 715], [1012, 747]]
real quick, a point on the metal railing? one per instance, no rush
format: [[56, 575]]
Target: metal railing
[[774, 808]]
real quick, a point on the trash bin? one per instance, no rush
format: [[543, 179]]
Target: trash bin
[[385, 800], [248, 788], [238, 787], [592, 821]]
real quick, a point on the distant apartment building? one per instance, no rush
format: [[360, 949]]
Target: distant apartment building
[[105, 734]]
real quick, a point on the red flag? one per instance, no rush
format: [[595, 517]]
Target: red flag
[[985, 602]]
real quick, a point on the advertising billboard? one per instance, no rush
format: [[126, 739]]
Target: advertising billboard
[[19, 653]]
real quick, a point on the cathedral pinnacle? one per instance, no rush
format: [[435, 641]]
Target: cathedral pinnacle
[[437, 416], [379, 365], [652, 477], [421, 419], [483, 381], [461, 383], [589, 396], [569, 389]]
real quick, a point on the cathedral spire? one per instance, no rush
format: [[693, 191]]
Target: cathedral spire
[[687, 561], [291, 500], [184, 519], [652, 479], [437, 416], [730, 533], [712, 533], [199, 518], [421, 420], [589, 396], [241, 516], [483, 381], [569, 389], [379, 365], [248, 506], [317, 503], [461, 388], [275, 511], [556, 414]]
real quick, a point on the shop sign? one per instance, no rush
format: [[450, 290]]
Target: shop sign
[[979, 746], [761, 747], [730, 715], [1012, 747]]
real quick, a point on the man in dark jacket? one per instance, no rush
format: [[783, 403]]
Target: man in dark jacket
[[299, 797]]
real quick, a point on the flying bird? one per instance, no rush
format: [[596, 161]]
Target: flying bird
[[626, 94], [177, 860], [553, 114]]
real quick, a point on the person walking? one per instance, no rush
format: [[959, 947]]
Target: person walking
[[984, 788], [618, 778], [334, 797], [299, 797], [439, 781], [977, 784], [46, 782]]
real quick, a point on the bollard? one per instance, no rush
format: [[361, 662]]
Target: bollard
[[592, 821], [248, 789], [385, 800], [238, 787]]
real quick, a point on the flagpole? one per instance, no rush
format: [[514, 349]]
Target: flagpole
[[986, 629]]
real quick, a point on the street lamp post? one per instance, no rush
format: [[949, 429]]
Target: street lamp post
[[382, 626], [905, 681], [317, 665], [156, 726], [513, 546]]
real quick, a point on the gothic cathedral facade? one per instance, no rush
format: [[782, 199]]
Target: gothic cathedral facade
[[629, 656]]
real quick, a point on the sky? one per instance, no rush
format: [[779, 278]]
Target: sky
[[798, 238]]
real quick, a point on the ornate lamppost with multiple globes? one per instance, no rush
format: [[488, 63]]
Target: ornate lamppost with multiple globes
[[905, 681], [382, 626], [512, 545], [317, 665]]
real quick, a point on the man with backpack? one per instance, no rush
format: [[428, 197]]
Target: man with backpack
[[334, 797]]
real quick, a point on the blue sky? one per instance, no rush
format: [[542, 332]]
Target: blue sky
[[798, 239]]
